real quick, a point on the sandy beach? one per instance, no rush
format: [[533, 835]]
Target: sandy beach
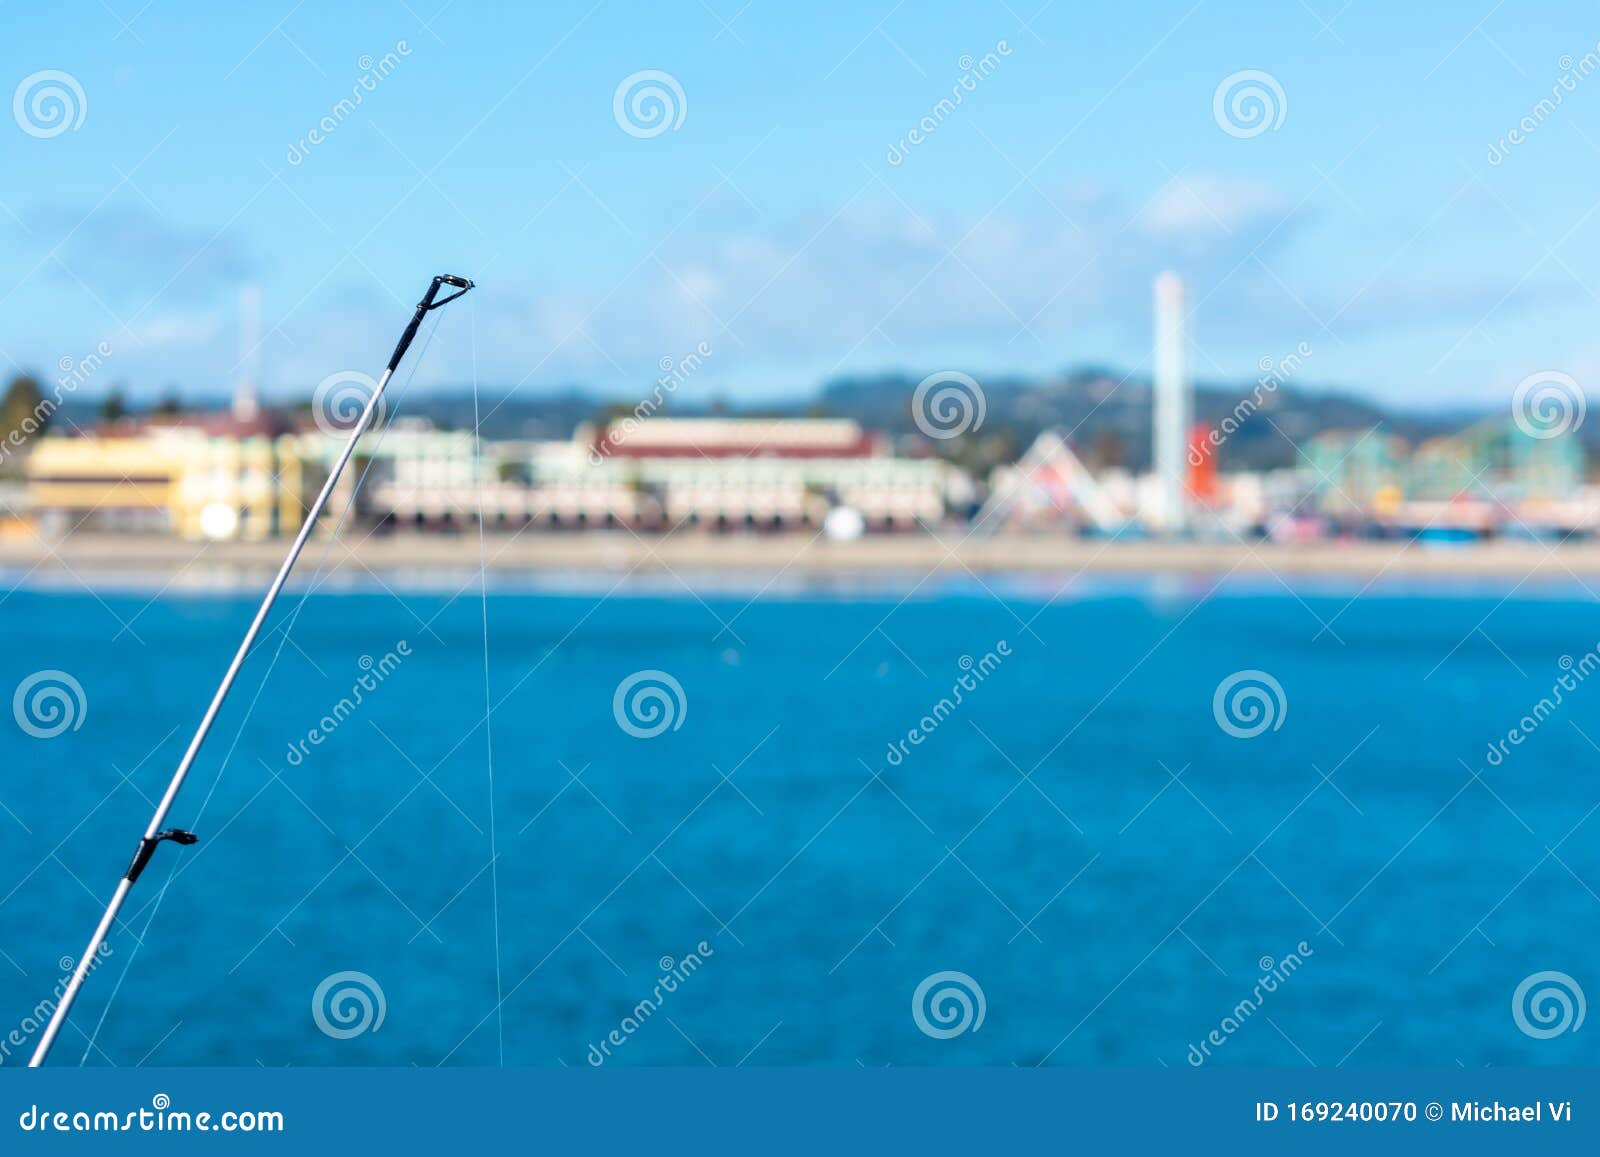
[[686, 552]]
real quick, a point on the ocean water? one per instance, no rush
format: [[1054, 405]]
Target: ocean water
[[1081, 837]]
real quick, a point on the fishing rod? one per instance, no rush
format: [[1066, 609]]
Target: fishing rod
[[155, 835]]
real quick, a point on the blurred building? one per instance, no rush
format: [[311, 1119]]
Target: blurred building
[[419, 476], [734, 473], [423, 478], [1357, 471], [197, 478], [1490, 478], [771, 473], [576, 488], [1499, 458]]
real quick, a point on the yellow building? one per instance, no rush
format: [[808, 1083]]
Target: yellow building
[[221, 479]]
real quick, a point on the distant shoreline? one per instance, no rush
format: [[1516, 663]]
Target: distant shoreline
[[618, 553]]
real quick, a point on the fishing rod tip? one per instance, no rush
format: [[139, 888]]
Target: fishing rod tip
[[432, 301]]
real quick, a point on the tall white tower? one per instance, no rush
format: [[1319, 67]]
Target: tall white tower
[[1174, 400], [246, 398]]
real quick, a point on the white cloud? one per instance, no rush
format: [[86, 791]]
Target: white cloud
[[1186, 206]]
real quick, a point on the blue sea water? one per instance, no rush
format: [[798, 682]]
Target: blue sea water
[[1112, 868]]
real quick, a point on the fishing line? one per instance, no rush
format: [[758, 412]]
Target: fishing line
[[316, 575], [283, 641], [488, 699]]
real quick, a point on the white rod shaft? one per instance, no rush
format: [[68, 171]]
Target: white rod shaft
[[79, 973], [86, 961]]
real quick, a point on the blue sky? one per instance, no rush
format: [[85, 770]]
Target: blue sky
[[1020, 235]]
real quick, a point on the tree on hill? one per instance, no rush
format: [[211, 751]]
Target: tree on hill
[[22, 411], [114, 405]]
